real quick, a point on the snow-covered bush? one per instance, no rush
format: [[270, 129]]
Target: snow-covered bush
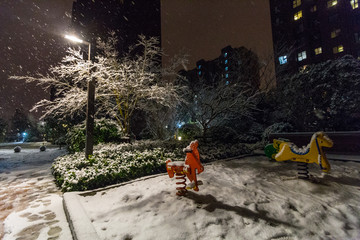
[[325, 96], [114, 163], [215, 151], [276, 128], [17, 149], [108, 165]]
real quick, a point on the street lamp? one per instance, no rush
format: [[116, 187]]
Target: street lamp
[[90, 109]]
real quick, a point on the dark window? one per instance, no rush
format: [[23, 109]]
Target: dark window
[[334, 18], [357, 37]]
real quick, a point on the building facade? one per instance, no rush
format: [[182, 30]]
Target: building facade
[[127, 18], [311, 31], [234, 65]]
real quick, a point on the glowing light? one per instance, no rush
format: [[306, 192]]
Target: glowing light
[[318, 51], [74, 38], [179, 138], [283, 60], [298, 15], [354, 4]]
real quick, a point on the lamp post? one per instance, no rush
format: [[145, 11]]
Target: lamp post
[[90, 109]]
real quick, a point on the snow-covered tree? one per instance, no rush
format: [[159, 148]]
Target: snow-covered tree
[[123, 83], [324, 96], [213, 105]]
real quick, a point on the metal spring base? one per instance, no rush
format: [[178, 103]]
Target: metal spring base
[[303, 170], [181, 189]]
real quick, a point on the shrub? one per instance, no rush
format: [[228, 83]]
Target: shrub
[[114, 163], [190, 131], [276, 128], [223, 134]]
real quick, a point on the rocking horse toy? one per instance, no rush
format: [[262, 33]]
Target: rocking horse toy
[[188, 168], [282, 150]]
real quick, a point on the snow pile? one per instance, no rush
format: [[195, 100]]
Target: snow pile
[[250, 198]]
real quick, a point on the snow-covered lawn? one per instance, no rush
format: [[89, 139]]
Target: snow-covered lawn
[[249, 198]]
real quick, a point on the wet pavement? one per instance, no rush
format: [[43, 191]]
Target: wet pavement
[[30, 203]]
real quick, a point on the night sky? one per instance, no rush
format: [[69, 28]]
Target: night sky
[[31, 38]]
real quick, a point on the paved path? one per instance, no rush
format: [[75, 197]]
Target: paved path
[[30, 203]]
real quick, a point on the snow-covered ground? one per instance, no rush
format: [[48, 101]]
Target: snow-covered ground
[[30, 203], [249, 198]]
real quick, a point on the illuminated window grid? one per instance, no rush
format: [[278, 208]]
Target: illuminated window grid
[[302, 56], [335, 33], [338, 49], [296, 3], [332, 3], [354, 4], [298, 15], [318, 50]]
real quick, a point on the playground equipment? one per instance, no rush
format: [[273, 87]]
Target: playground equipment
[[283, 150], [188, 169]]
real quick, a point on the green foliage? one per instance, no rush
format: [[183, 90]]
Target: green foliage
[[3, 127], [223, 134], [104, 131], [75, 139], [20, 121], [189, 131]]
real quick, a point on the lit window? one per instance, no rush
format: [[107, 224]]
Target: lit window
[[338, 49], [226, 61], [354, 4], [199, 73], [301, 56], [335, 33], [298, 15], [283, 60], [332, 3], [303, 68], [225, 54], [296, 3], [227, 83], [313, 8], [226, 68], [318, 51], [227, 75], [199, 67]]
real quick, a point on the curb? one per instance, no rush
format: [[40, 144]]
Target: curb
[[79, 222]]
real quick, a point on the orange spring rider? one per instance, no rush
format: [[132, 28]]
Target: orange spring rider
[[188, 168]]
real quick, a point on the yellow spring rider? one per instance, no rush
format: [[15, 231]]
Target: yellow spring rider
[[312, 153]]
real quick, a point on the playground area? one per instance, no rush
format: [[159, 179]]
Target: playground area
[[246, 198]]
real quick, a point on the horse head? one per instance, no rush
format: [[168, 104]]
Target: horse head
[[323, 140]]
